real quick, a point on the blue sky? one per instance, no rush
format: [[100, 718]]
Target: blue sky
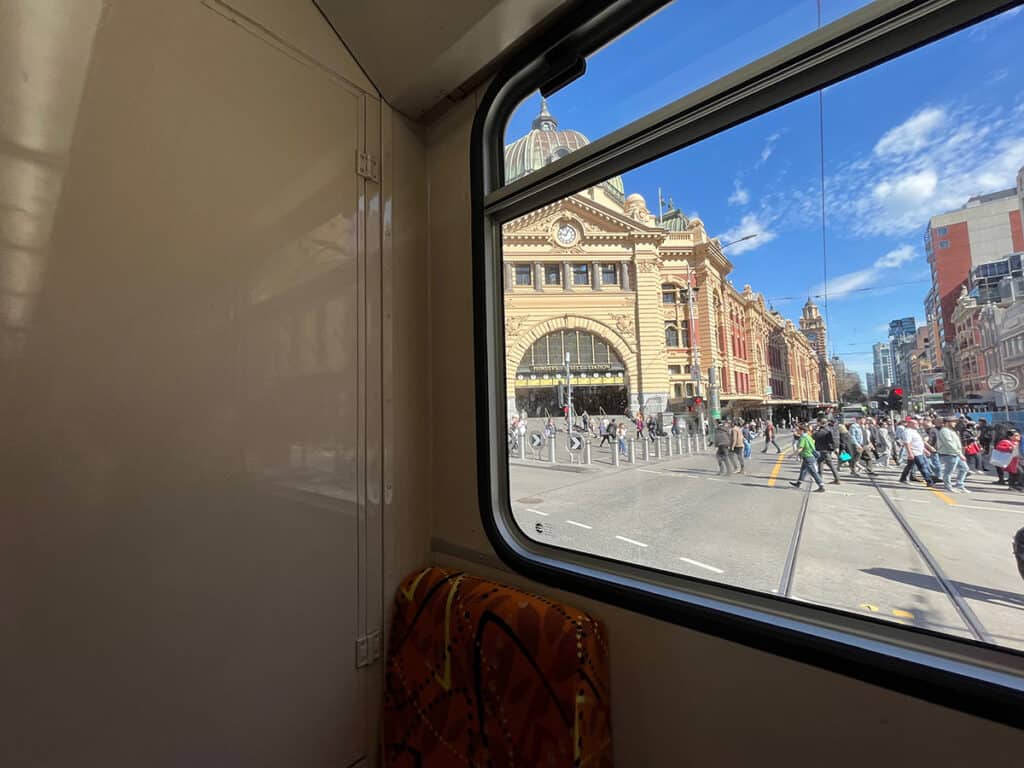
[[904, 141]]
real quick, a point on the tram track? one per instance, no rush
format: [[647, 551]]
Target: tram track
[[966, 614], [963, 609]]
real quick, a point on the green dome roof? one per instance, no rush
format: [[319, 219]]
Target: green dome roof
[[544, 144]]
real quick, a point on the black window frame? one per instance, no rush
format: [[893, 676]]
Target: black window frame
[[614, 270], [553, 269], [961, 674]]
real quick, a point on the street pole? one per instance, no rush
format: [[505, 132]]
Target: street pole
[[691, 328], [568, 397]]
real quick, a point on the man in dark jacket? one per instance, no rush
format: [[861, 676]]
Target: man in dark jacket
[[723, 447], [825, 445]]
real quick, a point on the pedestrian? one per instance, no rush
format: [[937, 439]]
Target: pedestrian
[[652, 428], [808, 459], [620, 434], [586, 422], [723, 442], [951, 457], [917, 451], [748, 435], [884, 444], [930, 433], [825, 446], [769, 438], [603, 430], [737, 446], [985, 441]]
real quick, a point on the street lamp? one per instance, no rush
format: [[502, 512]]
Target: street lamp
[[739, 240]]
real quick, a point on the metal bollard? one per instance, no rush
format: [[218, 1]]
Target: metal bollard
[[522, 447], [632, 450], [647, 450], [586, 452], [669, 441], [615, 453], [551, 449], [657, 447]]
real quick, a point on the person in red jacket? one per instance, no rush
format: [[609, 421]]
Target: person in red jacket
[[1011, 444]]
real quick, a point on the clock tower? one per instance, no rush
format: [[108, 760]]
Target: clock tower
[[813, 327]]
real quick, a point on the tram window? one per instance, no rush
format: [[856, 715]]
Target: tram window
[[524, 274], [793, 227], [754, 30], [553, 274], [609, 274]]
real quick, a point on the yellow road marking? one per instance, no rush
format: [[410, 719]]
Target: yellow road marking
[[943, 496], [775, 470], [868, 607], [900, 613]]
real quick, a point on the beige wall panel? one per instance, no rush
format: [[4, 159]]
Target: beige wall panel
[[299, 25], [679, 697], [194, 335]]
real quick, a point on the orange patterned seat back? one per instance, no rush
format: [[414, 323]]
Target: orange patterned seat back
[[480, 674]]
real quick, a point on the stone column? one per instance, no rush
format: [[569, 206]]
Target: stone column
[[538, 276], [566, 276], [510, 276], [595, 275], [650, 331]]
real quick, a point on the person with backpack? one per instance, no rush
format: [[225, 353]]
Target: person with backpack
[[722, 440], [825, 446], [808, 459]]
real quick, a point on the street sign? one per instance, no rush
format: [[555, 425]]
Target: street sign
[[716, 414], [768, 390], [575, 442], [536, 439], [1003, 382]]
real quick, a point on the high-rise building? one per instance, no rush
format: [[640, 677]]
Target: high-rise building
[[986, 229], [881, 364], [869, 378], [901, 341]]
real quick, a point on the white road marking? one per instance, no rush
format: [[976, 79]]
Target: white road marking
[[581, 525], [990, 509], [701, 565], [650, 471], [537, 512], [631, 541]]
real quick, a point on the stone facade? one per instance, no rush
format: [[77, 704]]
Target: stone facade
[[585, 264], [598, 276]]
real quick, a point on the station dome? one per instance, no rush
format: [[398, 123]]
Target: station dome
[[544, 144]]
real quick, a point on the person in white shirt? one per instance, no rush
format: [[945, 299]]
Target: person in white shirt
[[917, 452]]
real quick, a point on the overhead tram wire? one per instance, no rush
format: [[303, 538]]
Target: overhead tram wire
[[886, 287], [821, 170]]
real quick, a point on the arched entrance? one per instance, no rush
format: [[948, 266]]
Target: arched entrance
[[598, 375]]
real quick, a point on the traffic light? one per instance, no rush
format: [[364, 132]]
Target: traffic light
[[896, 399]]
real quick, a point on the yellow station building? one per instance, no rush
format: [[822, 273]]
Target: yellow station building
[[597, 276]]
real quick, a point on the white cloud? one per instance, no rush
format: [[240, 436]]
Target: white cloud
[[895, 258], [751, 223], [929, 164], [740, 196], [870, 277], [913, 134], [768, 149]]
